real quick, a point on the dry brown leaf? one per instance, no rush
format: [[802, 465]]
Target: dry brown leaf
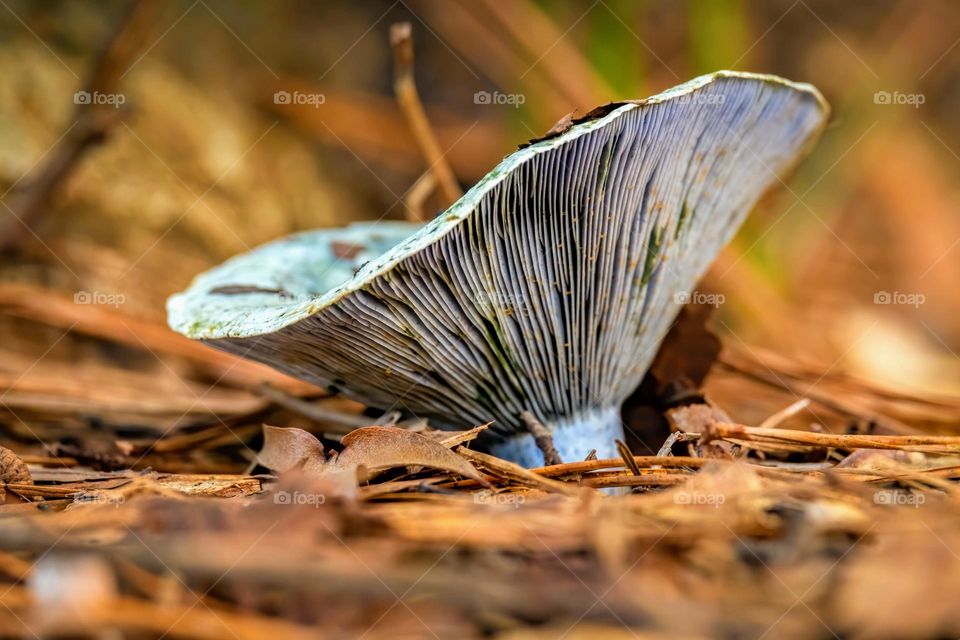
[[12, 468], [285, 449], [454, 438], [379, 448], [695, 418]]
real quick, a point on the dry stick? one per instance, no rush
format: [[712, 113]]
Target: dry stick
[[627, 456], [345, 421], [515, 473], [417, 196], [782, 380], [932, 444], [406, 91], [785, 413], [461, 437], [54, 309], [543, 439], [572, 468], [93, 122], [677, 436], [211, 438], [533, 30], [628, 480]]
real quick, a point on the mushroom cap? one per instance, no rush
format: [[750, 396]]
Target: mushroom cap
[[547, 287]]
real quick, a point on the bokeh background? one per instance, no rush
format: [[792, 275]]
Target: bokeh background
[[851, 268]]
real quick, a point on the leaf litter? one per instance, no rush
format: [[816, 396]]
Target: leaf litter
[[731, 529]]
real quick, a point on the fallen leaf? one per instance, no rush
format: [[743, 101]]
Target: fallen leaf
[[285, 449], [695, 418], [685, 357], [378, 448], [12, 468], [453, 438]]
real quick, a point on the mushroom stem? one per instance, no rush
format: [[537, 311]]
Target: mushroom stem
[[573, 436]]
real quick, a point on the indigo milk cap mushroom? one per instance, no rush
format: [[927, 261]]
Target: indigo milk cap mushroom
[[546, 288]]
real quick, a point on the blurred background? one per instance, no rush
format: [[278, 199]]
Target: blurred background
[[217, 126]]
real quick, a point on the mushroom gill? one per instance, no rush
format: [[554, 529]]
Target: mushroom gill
[[546, 288]]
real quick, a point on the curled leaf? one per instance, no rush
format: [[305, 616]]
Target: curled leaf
[[379, 448], [285, 449], [12, 468]]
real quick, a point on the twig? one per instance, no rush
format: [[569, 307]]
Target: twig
[[409, 100], [417, 195], [673, 438], [93, 121], [628, 480], [515, 473], [532, 28], [543, 439], [389, 419], [786, 412], [571, 468], [775, 376], [628, 458], [51, 308], [462, 437], [345, 421], [206, 439], [929, 444]]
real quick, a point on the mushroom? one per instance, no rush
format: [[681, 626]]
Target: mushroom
[[546, 288]]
